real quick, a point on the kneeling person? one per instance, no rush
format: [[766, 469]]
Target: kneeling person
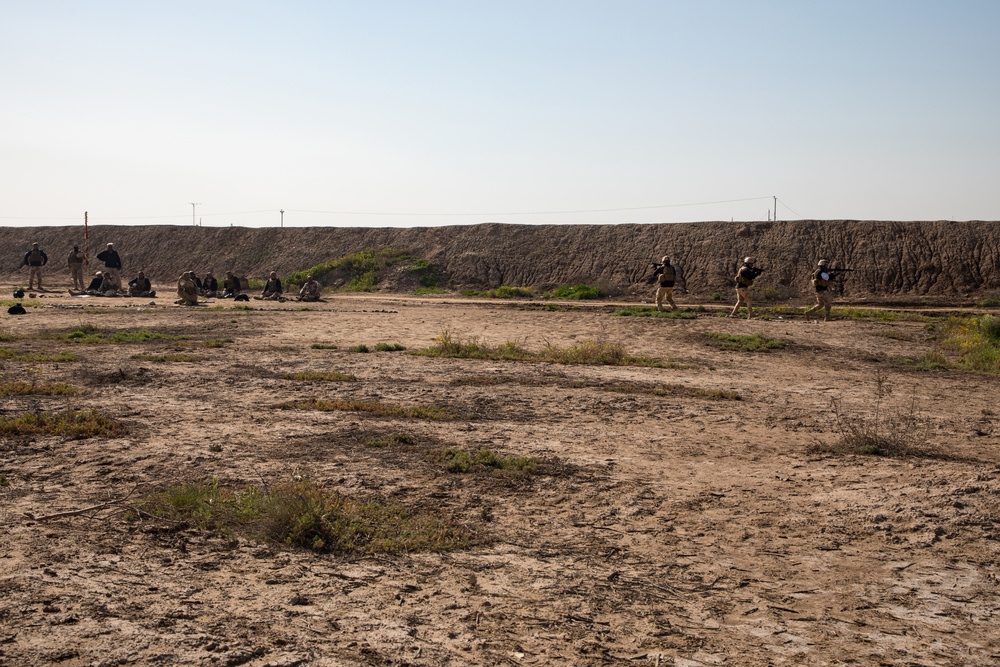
[[187, 290]]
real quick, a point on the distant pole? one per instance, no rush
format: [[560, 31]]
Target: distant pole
[[775, 208], [193, 221], [86, 241], [282, 212]]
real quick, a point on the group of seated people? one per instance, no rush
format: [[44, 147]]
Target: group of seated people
[[106, 283], [190, 287]]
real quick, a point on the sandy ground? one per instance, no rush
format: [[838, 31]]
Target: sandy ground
[[662, 530]]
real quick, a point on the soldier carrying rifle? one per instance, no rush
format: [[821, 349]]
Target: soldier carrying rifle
[[664, 275], [821, 283], [744, 280]]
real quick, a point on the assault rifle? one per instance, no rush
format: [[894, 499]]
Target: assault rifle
[[834, 272], [754, 272]]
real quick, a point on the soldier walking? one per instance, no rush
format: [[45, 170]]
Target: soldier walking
[[664, 275], [744, 281]]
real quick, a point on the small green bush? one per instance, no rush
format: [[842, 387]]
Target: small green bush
[[640, 311], [389, 347], [752, 343], [576, 292], [460, 461]]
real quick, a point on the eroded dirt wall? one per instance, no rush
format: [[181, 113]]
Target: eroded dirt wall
[[890, 258]]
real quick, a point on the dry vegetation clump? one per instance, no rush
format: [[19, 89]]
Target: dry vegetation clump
[[376, 408], [89, 333], [885, 430], [36, 357], [179, 357], [37, 389], [320, 376], [73, 423], [586, 352], [303, 515], [650, 311], [674, 390]]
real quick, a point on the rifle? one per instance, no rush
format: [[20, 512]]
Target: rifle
[[836, 271], [754, 272]]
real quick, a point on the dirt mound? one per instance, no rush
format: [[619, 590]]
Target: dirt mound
[[889, 258]]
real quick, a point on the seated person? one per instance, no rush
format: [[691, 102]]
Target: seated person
[[196, 279], [140, 286], [310, 290], [272, 288], [209, 286], [231, 285], [93, 289], [187, 290]]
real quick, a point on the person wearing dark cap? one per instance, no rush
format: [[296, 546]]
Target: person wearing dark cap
[[35, 259], [75, 263], [112, 264]]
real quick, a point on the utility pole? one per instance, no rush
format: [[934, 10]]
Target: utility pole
[[282, 212], [776, 208], [193, 204]]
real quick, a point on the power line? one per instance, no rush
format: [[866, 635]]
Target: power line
[[405, 214], [800, 217], [506, 214]]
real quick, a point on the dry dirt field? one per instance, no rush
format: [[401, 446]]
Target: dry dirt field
[[666, 524]]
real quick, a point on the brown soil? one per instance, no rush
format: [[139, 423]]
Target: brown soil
[[679, 529]]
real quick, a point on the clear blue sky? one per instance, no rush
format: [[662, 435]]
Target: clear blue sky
[[471, 111]]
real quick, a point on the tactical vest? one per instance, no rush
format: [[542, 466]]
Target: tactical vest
[[742, 279], [35, 257], [819, 282], [668, 276]]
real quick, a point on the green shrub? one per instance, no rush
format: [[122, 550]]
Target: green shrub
[[576, 292], [460, 461], [641, 311], [752, 343], [502, 292], [976, 340]]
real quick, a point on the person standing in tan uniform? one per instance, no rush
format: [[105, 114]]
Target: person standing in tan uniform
[[744, 281], [664, 275], [75, 263]]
